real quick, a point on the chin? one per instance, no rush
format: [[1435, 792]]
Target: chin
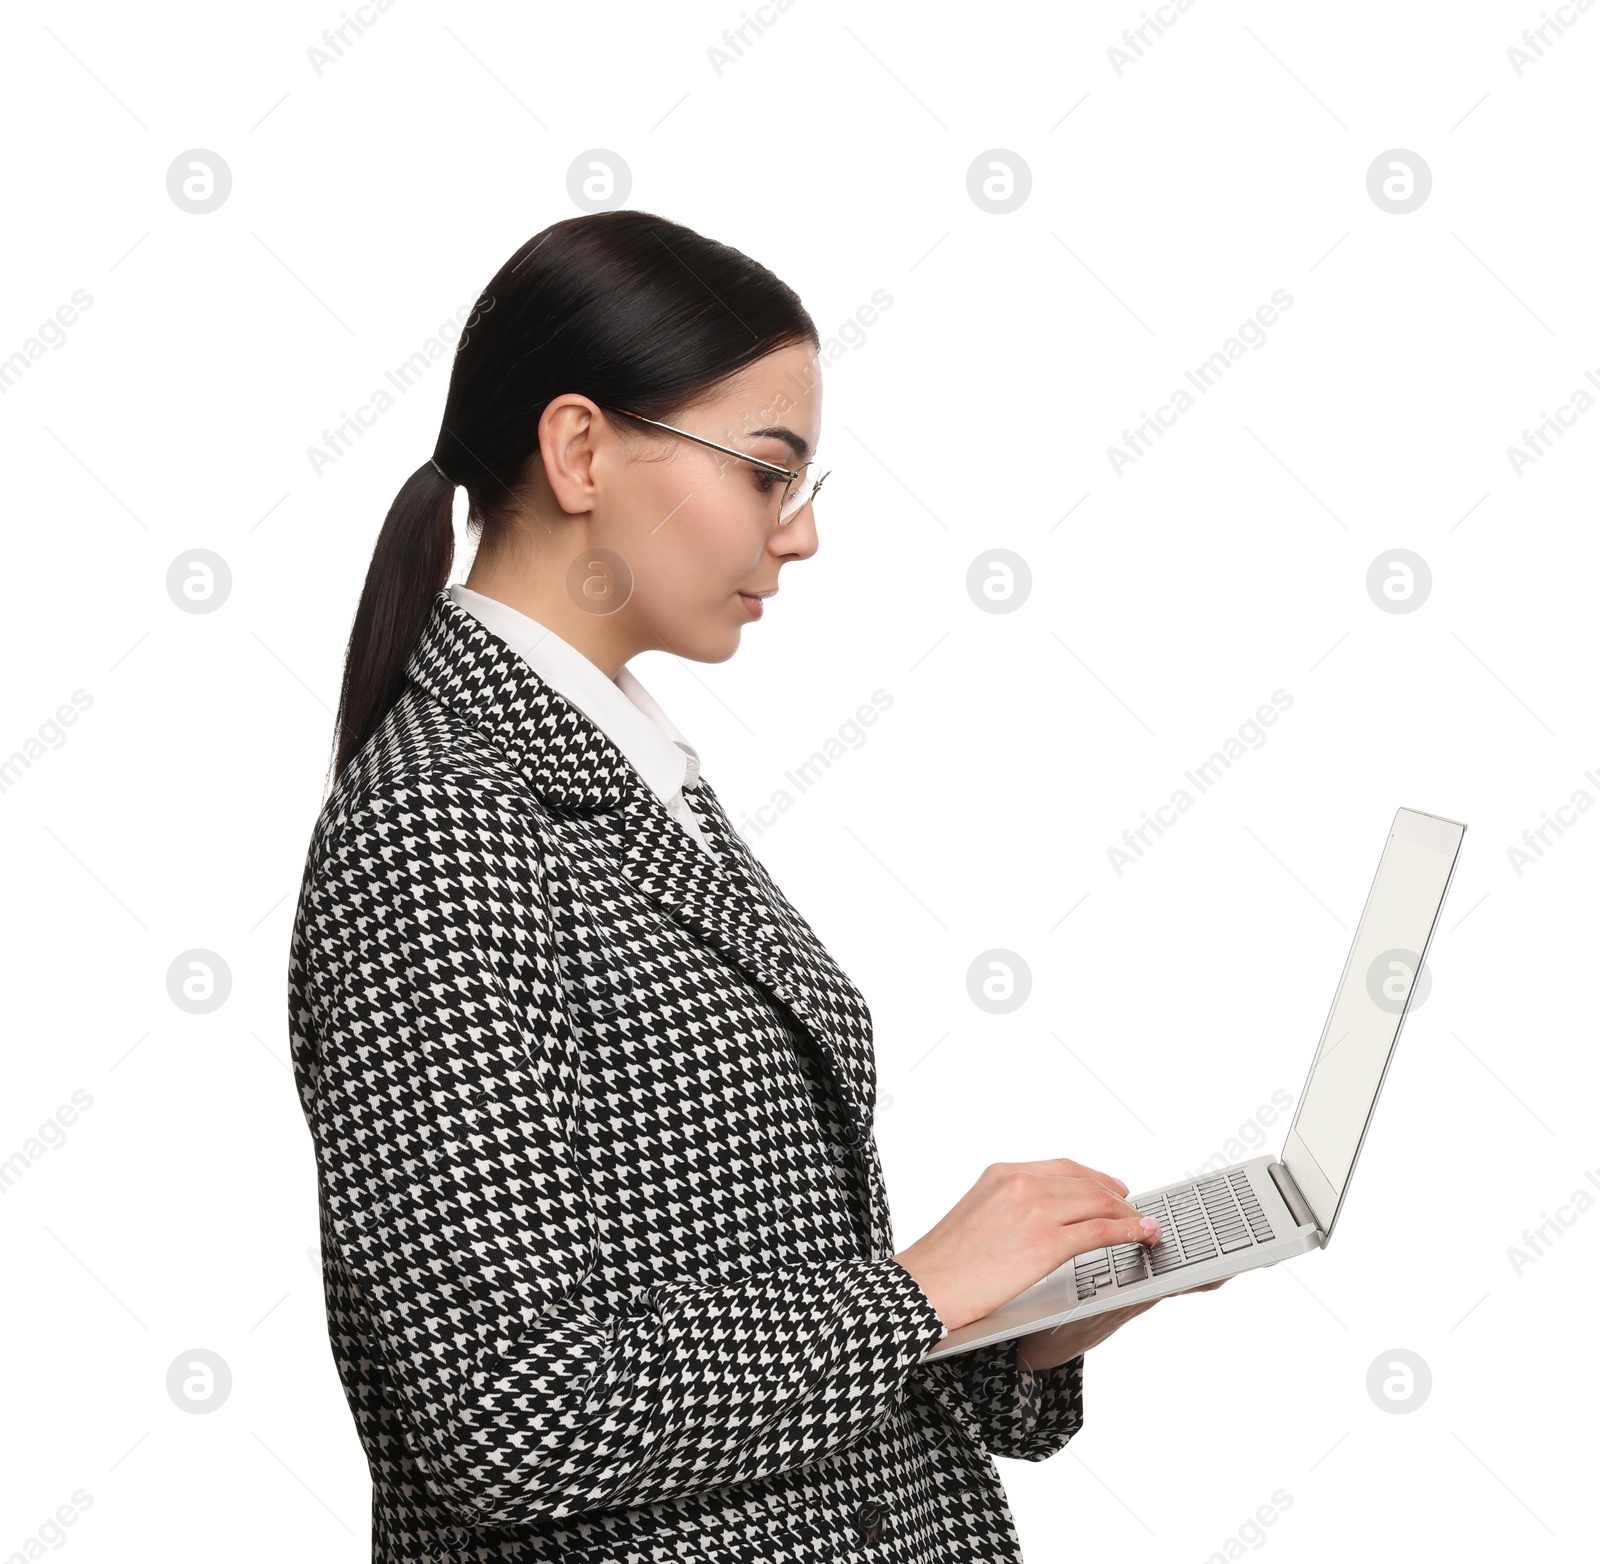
[[723, 650], [708, 648]]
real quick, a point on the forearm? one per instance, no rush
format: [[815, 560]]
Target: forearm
[[1011, 1408]]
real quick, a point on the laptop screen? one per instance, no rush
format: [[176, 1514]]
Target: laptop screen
[[1379, 985]]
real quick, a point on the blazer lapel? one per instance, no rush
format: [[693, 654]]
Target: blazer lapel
[[724, 904], [626, 837]]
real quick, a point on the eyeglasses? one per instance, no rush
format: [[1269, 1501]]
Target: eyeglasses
[[800, 484]]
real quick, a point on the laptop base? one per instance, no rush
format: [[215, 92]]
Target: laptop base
[[1207, 1234]]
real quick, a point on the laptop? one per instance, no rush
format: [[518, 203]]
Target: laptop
[[1269, 1209]]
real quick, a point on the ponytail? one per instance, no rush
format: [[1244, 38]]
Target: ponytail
[[410, 563]]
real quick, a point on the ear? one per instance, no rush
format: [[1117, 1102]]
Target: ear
[[576, 442]]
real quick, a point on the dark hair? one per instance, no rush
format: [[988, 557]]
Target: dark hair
[[624, 307]]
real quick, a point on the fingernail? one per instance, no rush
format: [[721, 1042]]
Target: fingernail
[[1120, 1185], [1150, 1225]]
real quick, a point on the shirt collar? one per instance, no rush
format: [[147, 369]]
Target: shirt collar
[[622, 708]]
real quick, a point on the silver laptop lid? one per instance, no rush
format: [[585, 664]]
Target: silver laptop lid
[[1369, 1006]]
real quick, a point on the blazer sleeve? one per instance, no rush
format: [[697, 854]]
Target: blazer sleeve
[[1025, 1413], [443, 1102]]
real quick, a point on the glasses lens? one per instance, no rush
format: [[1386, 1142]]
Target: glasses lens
[[799, 492]]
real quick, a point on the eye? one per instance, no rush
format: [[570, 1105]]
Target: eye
[[768, 481]]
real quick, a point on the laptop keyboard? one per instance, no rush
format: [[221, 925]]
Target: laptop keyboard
[[1199, 1221]]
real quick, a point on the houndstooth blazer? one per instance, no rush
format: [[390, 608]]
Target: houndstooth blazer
[[606, 1252]]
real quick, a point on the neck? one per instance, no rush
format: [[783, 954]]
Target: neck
[[599, 636]]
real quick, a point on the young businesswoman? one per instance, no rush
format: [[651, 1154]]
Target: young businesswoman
[[608, 1263]]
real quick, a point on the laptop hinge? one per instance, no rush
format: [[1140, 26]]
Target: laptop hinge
[[1296, 1202]]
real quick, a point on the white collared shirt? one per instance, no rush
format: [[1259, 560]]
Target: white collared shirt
[[622, 708]]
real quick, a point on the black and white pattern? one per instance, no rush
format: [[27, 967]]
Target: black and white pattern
[[607, 1256]]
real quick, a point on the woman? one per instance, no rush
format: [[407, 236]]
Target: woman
[[608, 1263]]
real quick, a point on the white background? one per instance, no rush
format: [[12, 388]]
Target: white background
[[1168, 1002]]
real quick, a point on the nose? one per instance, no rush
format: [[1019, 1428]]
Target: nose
[[796, 538]]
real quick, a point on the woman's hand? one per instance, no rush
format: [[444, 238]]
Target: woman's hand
[[1017, 1224], [1046, 1348]]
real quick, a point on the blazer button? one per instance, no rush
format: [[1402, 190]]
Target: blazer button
[[869, 1522]]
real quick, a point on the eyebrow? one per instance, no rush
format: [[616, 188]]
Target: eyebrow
[[779, 432]]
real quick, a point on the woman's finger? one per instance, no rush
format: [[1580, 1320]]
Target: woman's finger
[[1074, 1169]]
